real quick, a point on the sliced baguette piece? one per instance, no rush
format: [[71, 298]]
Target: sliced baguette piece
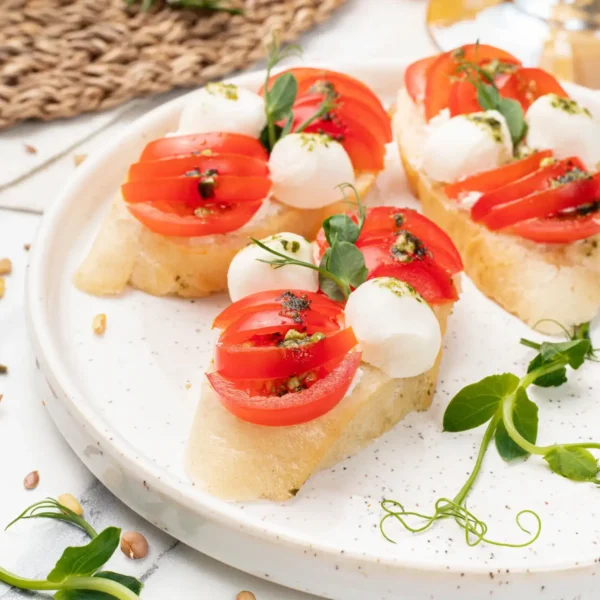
[[125, 251], [530, 280], [239, 461]]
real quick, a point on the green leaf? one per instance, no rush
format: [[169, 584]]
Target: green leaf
[[130, 583], [340, 228], [288, 125], [513, 113], [281, 96], [487, 96], [264, 136], [554, 379], [327, 285], [86, 560], [347, 262], [525, 417], [577, 464], [476, 404], [574, 352]]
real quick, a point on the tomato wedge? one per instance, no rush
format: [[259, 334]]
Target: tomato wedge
[[365, 151], [292, 408], [527, 84], [489, 181], [558, 229], [544, 203], [180, 221], [534, 182], [443, 72], [196, 144], [431, 281], [284, 302], [241, 361], [224, 164], [415, 77], [189, 190]]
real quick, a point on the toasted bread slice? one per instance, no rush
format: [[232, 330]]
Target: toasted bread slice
[[533, 281], [239, 461], [125, 251]]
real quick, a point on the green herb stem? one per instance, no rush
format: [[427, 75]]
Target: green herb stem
[[26, 584], [530, 344], [326, 106]]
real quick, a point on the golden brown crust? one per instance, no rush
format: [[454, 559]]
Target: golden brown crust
[[532, 281]]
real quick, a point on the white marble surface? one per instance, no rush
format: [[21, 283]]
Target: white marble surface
[[28, 438]]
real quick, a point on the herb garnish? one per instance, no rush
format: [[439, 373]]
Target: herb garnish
[[281, 96], [342, 267], [502, 402], [489, 97], [76, 575]]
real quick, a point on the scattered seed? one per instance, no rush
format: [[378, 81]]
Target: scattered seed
[[245, 596], [2, 287], [99, 324], [79, 158], [27, 247], [3, 369], [69, 501], [30, 149], [5, 266], [1, 396], [134, 545], [31, 481]]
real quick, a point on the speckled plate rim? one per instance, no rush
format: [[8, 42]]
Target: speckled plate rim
[[54, 369]]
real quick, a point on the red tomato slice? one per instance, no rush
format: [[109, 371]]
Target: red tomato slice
[[443, 71], [427, 278], [496, 178], [225, 164], [293, 408], [463, 98], [415, 77], [285, 302], [180, 221], [187, 190], [311, 80], [545, 203], [366, 153], [243, 361], [219, 143], [527, 84], [558, 229], [269, 322], [354, 114], [534, 182]]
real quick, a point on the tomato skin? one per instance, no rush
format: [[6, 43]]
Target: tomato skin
[[365, 152], [527, 84], [273, 300], [463, 98], [534, 182], [444, 68], [219, 143], [558, 230], [427, 278], [184, 190], [293, 408], [488, 181], [225, 164], [545, 203], [239, 361], [415, 78], [180, 221]]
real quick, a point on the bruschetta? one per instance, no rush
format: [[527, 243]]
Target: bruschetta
[[241, 165], [507, 164], [301, 381]]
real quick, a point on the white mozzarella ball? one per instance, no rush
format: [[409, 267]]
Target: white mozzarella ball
[[248, 275], [465, 145], [397, 330], [565, 127], [223, 107], [306, 169]]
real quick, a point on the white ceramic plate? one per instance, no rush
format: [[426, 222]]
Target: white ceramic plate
[[122, 403]]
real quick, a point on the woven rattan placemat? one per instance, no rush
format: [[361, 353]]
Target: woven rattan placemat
[[60, 58]]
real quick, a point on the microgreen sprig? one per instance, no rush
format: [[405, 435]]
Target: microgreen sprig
[[503, 403], [342, 267], [281, 96], [77, 574]]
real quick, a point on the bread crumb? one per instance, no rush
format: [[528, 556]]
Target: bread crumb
[[2, 287], [188, 385], [27, 247], [5, 266], [30, 149], [245, 596], [79, 158], [99, 324]]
